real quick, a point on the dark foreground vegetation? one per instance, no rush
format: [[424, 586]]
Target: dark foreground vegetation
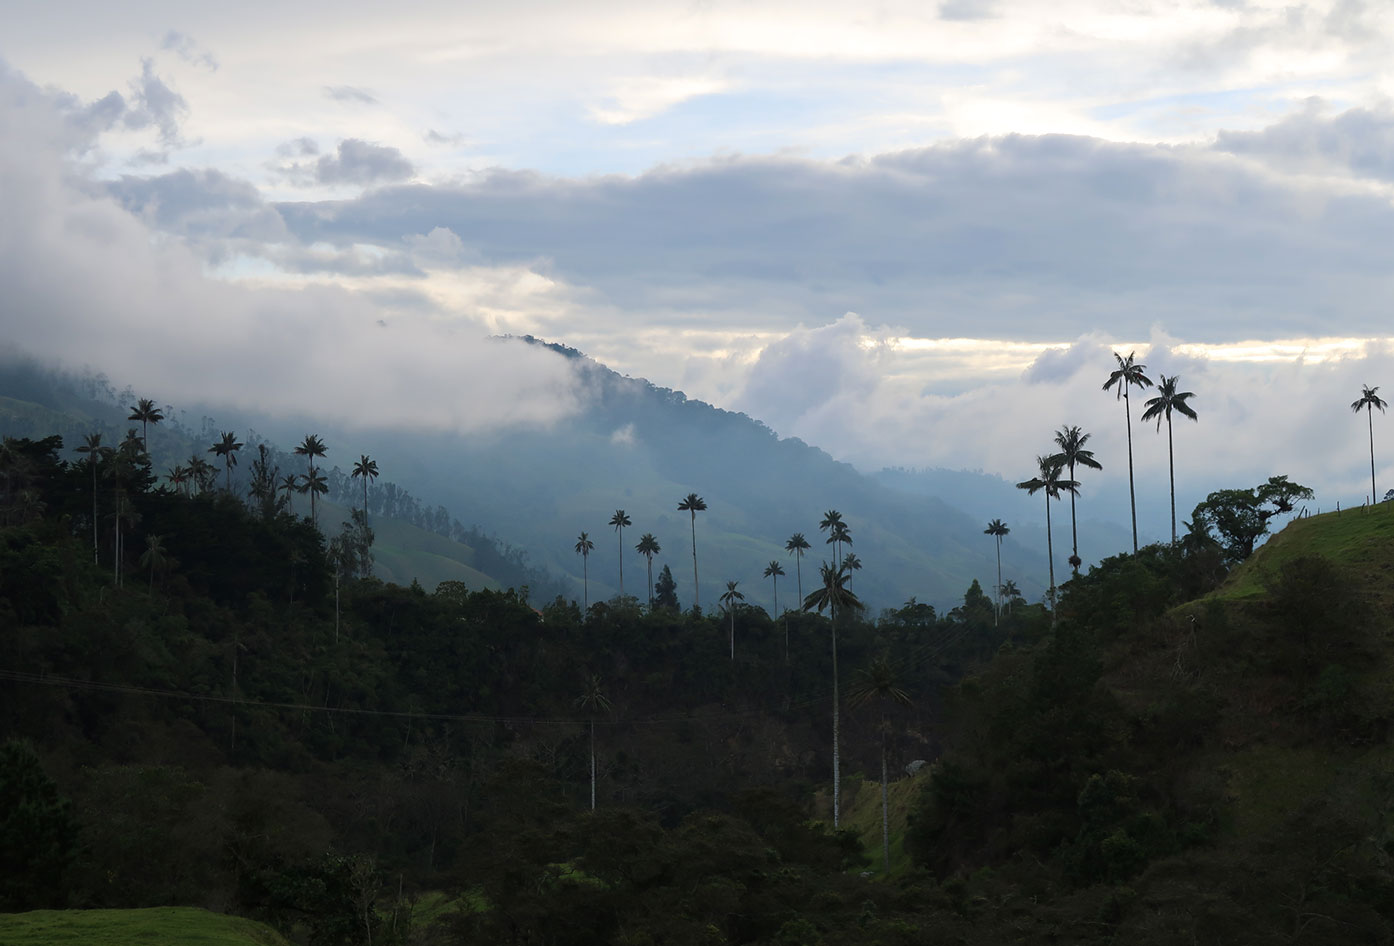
[[217, 720]]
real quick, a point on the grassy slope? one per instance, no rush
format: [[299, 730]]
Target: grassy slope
[[187, 926], [863, 814], [1360, 541]]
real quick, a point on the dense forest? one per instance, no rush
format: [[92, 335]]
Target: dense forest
[[204, 704]]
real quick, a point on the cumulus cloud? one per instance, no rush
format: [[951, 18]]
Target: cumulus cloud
[[88, 281], [362, 162], [154, 103], [184, 46]]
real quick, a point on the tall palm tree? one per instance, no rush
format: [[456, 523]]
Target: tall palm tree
[[796, 546], [227, 449], [310, 448], [315, 484], [834, 596], [92, 446], [997, 529], [693, 504], [1368, 400], [290, 485], [729, 598], [1010, 592], [155, 556], [880, 682], [147, 413], [1126, 375], [648, 547], [368, 469], [584, 547], [1169, 399], [1071, 441], [772, 571], [832, 524], [851, 563], [619, 520], [593, 701], [1049, 482]]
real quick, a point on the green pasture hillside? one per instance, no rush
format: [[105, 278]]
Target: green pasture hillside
[[185, 926]]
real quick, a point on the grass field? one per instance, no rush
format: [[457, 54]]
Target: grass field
[[156, 926]]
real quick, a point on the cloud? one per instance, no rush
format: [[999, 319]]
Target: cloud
[[1358, 142], [434, 137], [154, 103], [90, 281], [186, 49], [350, 95], [354, 162], [1019, 237]]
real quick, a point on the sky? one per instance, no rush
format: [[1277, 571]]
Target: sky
[[911, 234]]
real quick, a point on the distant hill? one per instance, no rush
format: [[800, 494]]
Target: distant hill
[[413, 542], [638, 447]]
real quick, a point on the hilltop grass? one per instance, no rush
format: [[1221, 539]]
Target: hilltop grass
[[188, 926], [1360, 541]]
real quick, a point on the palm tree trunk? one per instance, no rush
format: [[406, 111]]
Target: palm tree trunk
[[696, 597], [585, 586], [1171, 472], [620, 533], [837, 754], [885, 807], [1132, 497], [592, 764], [1050, 557], [996, 617], [650, 558], [798, 570], [733, 632], [94, 508], [1074, 530], [1369, 415]]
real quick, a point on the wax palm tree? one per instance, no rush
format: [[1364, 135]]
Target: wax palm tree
[[619, 520], [155, 556], [92, 446], [834, 596], [584, 547], [1169, 399], [1049, 482], [147, 413], [1126, 375], [772, 571], [1369, 399], [201, 473], [796, 546], [880, 682], [1071, 441], [648, 547], [593, 701], [310, 448], [227, 449], [729, 598], [290, 485], [1010, 592], [315, 484], [693, 504], [852, 564], [368, 469], [833, 525], [998, 530]]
